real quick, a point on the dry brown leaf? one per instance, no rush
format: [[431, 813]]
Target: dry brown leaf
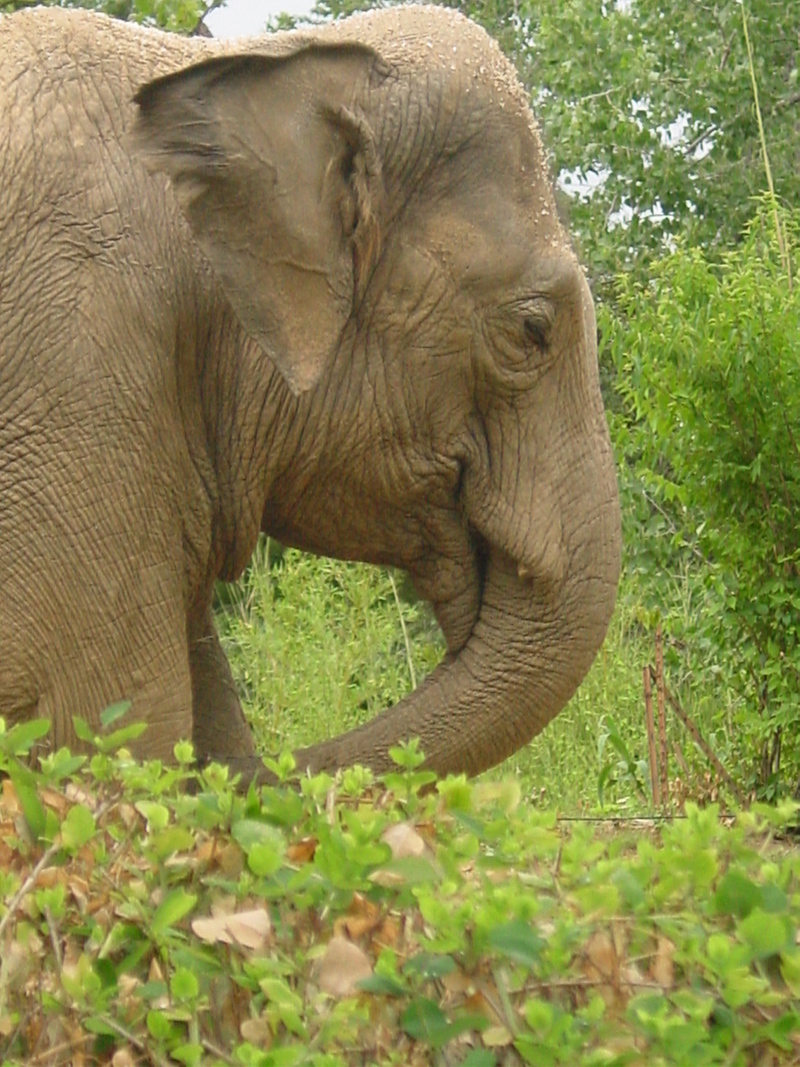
[[459, 983], [601, 956], [386, 879], [250, 929], [388, 936], [363, 916], [7, 854], [54, 800], [257, 1032], [632, 976], [10, 799], [302, 851], [78, 795], [428, 832], [601, 964], [230, 860], [123, 1057], [403, 839], [497, 1037], [129, 816], [342, 967], [50, 876], [663, 966]]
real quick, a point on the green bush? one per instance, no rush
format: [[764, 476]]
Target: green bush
[[708, 370]]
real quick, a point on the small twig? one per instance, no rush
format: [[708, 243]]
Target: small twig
[[651, 738], [618, 820], [679, 756], [51, 927], [409, 660], [214, 1050], [726, 52], [51, 1054], [200, 29], [702, 744], [505, 1009], [132, 1039], [28, 884], [663, 756]]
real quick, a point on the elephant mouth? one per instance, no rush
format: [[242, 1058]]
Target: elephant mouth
[[457, 598]]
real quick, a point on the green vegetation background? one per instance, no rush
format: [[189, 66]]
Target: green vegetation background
[[335, 923]]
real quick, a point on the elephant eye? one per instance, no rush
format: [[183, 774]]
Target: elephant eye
[[535, 333]]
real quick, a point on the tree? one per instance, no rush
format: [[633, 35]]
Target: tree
[[648, 112], [182, 16], [709, 371]]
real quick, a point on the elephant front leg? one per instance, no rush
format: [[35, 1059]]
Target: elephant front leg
[[220, 731]]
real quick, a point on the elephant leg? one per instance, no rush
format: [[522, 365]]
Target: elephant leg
[[220, 730]]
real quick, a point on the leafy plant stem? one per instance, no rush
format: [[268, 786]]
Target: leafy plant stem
[[785, 258], [28, 885]]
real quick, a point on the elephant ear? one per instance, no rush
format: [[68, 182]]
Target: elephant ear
[[281, 184]]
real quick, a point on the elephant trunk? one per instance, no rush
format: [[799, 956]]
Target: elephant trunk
[[527, 654]]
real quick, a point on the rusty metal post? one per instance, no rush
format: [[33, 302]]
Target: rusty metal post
[[651, 735]]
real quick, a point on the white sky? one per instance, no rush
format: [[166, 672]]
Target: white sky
[[245, 18]]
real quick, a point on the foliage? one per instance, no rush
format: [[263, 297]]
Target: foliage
[[334, 922], [648, 112], [181, 16], [709, 371], [317, 645]]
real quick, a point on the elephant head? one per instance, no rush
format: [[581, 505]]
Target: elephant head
[[374, 200]]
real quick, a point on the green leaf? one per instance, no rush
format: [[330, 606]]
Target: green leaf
[[19, 740], [736, 895], [184, 985], [413, 870], [78, 828], [425, 1021], [264, 859], [176, 905], [171, 840], [383, 985], [764, 933], [429, 965], [157, 815], [24, 782], [113, 712], [120, 738], [518, 941], [83, 731]]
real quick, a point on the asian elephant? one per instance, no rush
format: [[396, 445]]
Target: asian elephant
[[311, 284]]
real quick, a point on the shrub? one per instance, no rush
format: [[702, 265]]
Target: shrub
[[708, 365]]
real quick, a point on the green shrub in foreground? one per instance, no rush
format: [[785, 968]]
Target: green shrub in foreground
[[336, 923]]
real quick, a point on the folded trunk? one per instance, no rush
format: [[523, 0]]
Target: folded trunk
[[526, 656]]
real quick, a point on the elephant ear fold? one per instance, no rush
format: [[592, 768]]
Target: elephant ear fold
[[280, 181]]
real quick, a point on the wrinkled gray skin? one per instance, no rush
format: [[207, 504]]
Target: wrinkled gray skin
[[313, 285]]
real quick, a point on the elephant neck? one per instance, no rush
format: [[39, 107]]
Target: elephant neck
[[249, 413]]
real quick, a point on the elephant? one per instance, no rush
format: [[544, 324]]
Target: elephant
[[311, 284]]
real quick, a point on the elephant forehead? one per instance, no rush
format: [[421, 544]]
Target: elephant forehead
[[496, 240], [424, 39]]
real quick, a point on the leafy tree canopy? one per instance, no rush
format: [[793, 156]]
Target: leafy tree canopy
[[648, 112], [182, 16]]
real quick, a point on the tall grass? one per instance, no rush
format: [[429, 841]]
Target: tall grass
[[318, 646]]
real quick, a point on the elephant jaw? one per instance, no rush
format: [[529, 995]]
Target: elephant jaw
[[533, 543]]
